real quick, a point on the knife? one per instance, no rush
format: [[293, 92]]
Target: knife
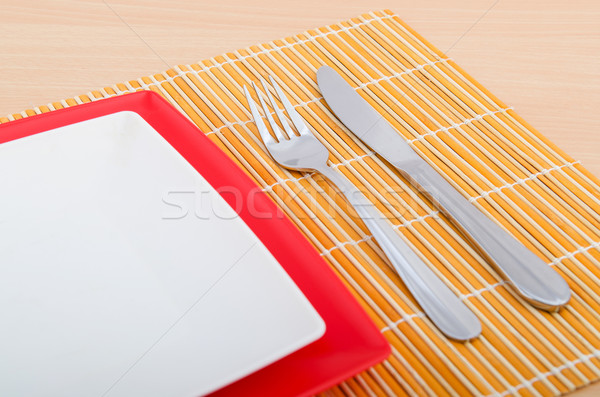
[[531, 277]]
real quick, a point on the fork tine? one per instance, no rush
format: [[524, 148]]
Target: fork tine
[[272, 122], [278, 111], [260, 124], [294, 115]]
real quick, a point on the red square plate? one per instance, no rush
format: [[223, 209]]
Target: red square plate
[[351, 342]]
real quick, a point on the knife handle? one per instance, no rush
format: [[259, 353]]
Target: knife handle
[[440, 304], [531, 277]]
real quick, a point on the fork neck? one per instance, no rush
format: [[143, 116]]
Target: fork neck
[[338, 179]]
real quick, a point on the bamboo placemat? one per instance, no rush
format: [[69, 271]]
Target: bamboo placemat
[[505, 167]]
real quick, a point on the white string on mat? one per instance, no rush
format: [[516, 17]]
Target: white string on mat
[[495, 285], [456, 125], [283, 181], [485, 289], [344, 163], [553, 371], [580, 250], [403, 319], [369, 237], [147, 86], [522, 180], [129, 87]]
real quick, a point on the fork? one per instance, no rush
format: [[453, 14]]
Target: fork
[[302, 151]]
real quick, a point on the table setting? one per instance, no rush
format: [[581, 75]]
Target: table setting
[[345, 211]]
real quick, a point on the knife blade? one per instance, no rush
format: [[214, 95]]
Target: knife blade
[[530, 276]]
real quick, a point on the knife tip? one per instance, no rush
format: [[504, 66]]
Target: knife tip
[[324, 71]]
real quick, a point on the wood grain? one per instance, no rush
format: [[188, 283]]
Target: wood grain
[[542, 58]]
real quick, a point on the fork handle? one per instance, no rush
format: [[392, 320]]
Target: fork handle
[[440, 304]]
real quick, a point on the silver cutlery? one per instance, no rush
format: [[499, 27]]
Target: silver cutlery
[[301, 150], [533, 279]]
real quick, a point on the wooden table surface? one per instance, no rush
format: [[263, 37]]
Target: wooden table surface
[[542, 57]]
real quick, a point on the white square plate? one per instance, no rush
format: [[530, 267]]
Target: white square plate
[[124, 273]]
